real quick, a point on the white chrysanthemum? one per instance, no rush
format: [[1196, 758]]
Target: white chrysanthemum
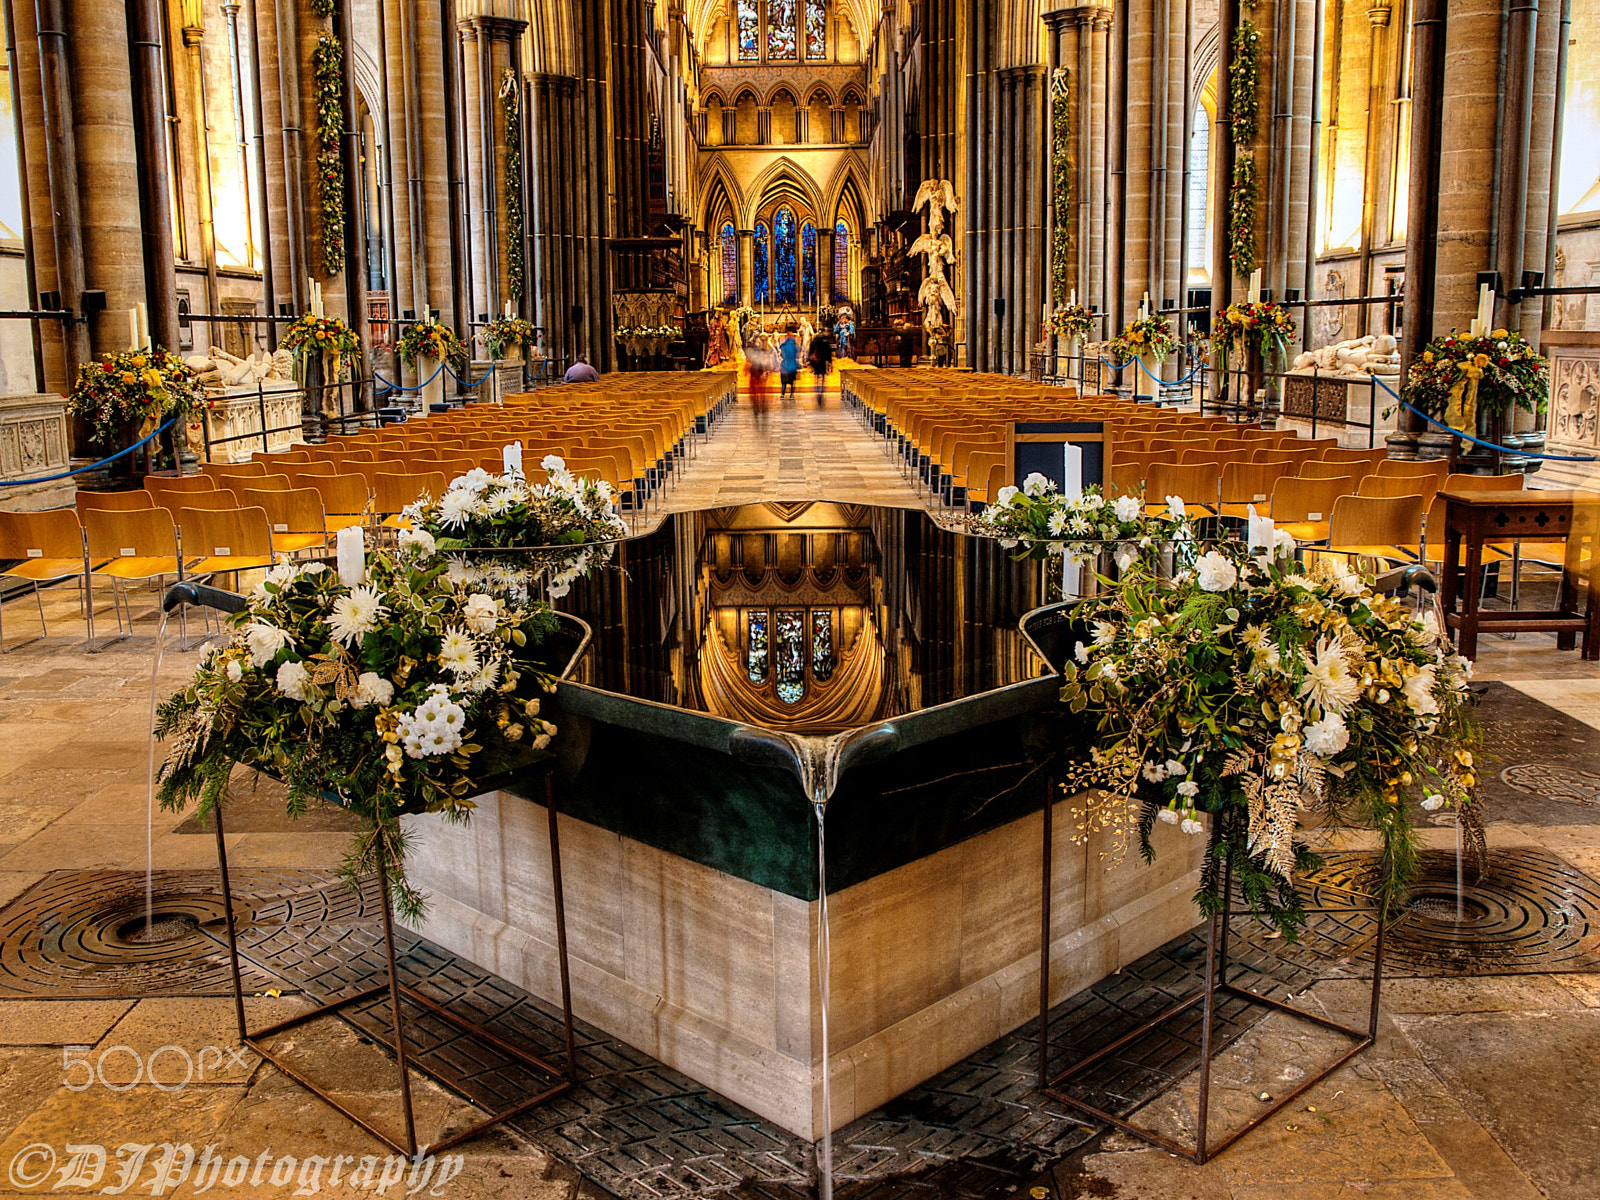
[[264, 641], [1328, 679], [480, 613], [1104, 633], [371, 688], [1005, 496], [486, 678], [1079, 525], [499, 500], [457, 654], [1215, 572], [1419, 695], [1327, 737], [1345, 581], [455, 510], [1036, 484], [1127, 508], [356, 615], [294, 681], [419, 540]]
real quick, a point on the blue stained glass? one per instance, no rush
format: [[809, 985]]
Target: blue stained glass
[[841, 261], [756, 654], [782, 37], [808, 263], [749, 21], [789, 654], [759, 279], [783, 260], [816, 29], [730, 265], [821, 645]]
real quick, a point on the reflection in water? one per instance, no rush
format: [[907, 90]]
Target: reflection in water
[[807, 617]]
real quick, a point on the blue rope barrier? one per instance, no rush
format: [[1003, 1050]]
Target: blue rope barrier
[[395, 387], [1466, 437], [1134, 362], [91, 466]]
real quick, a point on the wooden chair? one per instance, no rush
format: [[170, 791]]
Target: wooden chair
[[263, 483], [1321, 469], [1249, 483], [168, 491], [393, 493], [1195, 482], [136, 546], [114, 502], [224, 473], [346, 500], [225, 540], [50, 546], [296, 515], [1303, 506], [211, 501], [1387, 528], [1437, 469]]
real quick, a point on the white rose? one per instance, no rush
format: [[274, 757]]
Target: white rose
[[481, 613], [419, 540], [264, 641], [1127, 508], [1176, 509], [1126, 555], [1004, 496], [372, 688], [1215, 572], [1419, 693], [1434, 802], [1035, 484], [1283, 542], [1327, 737], [235, 672]]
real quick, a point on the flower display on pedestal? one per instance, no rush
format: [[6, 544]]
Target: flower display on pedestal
[[1072, 321], [1263, 326], [509, 333], [396, 690], [133, 392], [315, 334], [1149, 336], [431, 339], [1456, 374]]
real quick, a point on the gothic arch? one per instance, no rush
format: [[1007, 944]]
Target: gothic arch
[[783, 178], [720, 195], [848, 190]]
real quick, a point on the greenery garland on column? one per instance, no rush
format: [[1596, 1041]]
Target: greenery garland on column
[[1244, 95], [328, 84], [1060, 183], [510, 105]]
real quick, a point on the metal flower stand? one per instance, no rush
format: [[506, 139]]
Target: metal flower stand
[[1216, 985], [397, 992]]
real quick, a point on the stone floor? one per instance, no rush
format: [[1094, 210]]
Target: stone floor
[[1478, 1089]]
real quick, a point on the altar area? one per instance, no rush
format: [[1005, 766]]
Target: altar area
[[748, 664]]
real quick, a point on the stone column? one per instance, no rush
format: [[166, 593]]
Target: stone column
[[473, 48], [825, 263], [747, 261], [1471, 98], [1101, 272]]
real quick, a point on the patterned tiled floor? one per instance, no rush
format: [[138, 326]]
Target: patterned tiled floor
[[766, 449]]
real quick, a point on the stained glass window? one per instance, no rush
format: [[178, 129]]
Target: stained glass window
[[808, 263], [749, 22], [781, 33], [759, 280], [821, 644], [816, 28], [841, 261], [730, 265], [789, 654], [756, 653], [783, 254]]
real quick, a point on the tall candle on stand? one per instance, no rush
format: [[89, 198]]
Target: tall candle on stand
[[511, 457], [133, 328], [144, 326], [351, 551], [1254, 294], [1262, 532]]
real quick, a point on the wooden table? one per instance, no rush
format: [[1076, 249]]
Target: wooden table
[[1473, 518]]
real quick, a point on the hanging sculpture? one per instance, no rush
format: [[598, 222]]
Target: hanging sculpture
[[936, 248]]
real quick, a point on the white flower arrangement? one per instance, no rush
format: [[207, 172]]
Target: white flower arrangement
[[402, 693], [1250, 692]]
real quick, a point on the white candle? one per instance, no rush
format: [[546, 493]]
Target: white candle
[[1255, 286], [352, 556], [511, 457], [1074, 301], [1072, 472], [1071, 578], [144, 325], [133, 328]]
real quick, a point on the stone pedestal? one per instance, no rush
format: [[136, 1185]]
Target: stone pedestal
[[1145, 369], [432, 392], [33, 442], [501, 377], [716, 976], [1574, 420], [242, 414]]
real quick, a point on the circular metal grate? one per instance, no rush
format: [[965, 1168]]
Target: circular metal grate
[[81, 934], [1554, 782]]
